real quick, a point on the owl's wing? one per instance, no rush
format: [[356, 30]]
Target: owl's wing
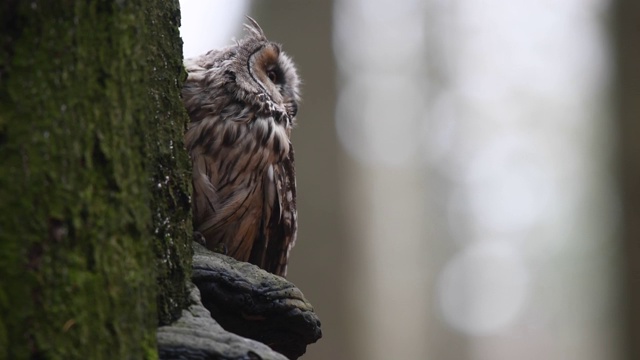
[[280, 223], [205, 198]]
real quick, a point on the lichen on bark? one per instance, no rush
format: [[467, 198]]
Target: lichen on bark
[[94, 204]]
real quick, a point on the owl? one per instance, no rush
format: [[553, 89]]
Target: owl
[[243, 101]]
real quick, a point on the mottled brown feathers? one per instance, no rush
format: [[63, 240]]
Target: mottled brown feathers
[[242, 101]]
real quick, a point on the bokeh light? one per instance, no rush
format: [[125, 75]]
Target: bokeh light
[[483, 289]]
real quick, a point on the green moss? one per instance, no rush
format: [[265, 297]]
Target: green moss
[[93, 179], [171, 170]]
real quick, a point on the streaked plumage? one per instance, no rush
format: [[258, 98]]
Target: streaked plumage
[[242, 101]]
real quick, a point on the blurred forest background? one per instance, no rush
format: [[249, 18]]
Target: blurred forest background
[[459, 172]]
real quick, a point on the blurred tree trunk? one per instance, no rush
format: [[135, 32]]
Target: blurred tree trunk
[[626, 24], [94, 204]]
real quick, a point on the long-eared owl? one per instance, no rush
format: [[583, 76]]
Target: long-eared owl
[[242, 101]]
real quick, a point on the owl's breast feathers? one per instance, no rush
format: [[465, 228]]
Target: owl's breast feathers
[[244, 187]]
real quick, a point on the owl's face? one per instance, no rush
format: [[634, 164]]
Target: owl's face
[[254, 72], [274, 73]]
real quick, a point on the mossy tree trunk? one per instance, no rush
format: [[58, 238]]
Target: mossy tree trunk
[[94, 204]]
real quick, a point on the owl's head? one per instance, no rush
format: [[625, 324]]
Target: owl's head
[[254, 72]]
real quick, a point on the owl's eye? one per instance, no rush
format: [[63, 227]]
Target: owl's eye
[[272, 76]]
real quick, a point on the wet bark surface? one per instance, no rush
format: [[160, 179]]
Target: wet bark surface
[[195, 335], [244, 300]]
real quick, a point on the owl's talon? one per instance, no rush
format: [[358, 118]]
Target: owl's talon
[[221, 248], [199, 238]]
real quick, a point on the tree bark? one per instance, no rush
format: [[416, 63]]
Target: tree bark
[[246, 303], [94, 182]]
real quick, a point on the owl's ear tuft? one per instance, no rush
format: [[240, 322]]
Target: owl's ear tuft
[[255, 29]]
